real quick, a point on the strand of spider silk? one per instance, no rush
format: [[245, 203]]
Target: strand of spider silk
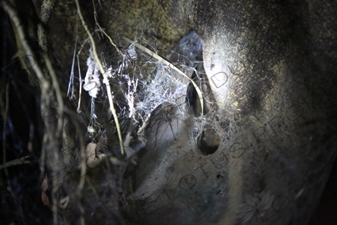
[[80, 76], [170, 65], [70, 92], [105, 78]]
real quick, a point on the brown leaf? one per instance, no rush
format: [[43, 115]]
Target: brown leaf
[[44, 188], [45, 199], [44, 185]]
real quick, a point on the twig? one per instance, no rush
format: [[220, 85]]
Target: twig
[[46, 7], [56, 86], [105, 78], [170, 65], [16, 162], [80, 87], [100, 29], [43, 82], [28, 51]]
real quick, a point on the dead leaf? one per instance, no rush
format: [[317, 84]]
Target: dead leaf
[[44, 188]]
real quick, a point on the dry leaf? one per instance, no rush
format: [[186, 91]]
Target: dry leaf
[[44, 188]]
